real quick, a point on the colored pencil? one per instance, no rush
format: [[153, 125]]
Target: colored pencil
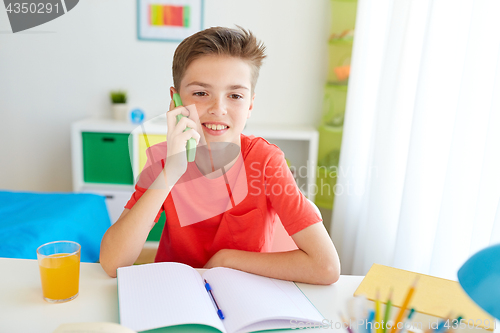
[[378, 313], [387, 311], [406, 302], [348, 326], [410, 314]]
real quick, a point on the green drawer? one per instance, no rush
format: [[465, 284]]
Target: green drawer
[[155, 233], [106, 158]]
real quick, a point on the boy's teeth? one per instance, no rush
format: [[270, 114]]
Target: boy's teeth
[[216, 127]]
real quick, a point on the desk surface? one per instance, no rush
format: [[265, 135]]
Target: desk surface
[[22, 308]]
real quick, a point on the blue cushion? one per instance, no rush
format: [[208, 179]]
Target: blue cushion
[[28, 220]]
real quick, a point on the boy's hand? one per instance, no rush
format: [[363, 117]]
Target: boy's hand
[[176, 163]]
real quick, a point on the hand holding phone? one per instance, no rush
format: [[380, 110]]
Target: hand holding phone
[[191, 143]]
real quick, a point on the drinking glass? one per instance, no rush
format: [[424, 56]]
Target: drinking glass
[[59, 264]]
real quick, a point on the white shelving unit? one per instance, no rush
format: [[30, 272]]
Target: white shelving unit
[[299, 143]]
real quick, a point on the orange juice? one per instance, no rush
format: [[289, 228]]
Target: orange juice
[[60, 274]]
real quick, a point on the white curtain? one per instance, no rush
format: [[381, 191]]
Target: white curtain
[[418, 186]]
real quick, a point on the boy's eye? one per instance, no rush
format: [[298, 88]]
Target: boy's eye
[[200, 93], [236, 96]]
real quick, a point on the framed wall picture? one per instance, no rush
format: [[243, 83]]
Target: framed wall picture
[[168, 20]]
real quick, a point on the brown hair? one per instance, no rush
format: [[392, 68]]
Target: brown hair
[[238, 43]]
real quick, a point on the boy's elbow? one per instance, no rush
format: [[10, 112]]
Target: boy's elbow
[[330, 273], [109, 268], [333, 274], [110, 272]]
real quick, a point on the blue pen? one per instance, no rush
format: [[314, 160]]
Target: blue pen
[[209, 290], [371, 316], [441, 325]]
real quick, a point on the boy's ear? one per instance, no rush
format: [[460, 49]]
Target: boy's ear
[[250, 109], [172, 92]]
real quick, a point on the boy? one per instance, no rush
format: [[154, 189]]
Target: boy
[[215, 70]]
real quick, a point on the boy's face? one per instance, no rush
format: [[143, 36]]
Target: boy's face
[[220, 87]]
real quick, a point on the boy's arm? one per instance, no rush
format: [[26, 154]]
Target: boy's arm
[[123, 241], [316, 261]]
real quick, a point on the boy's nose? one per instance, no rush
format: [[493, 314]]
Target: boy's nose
[[218, 108]]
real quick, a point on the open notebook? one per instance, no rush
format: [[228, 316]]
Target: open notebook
[[169, 294]]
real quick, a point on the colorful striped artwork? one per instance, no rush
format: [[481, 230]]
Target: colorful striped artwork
[[168, 15]]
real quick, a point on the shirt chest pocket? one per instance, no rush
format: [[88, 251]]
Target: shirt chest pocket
[[248, 229]]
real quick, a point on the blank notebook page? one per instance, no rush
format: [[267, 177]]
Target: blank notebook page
[[171, 294], [246, 299]]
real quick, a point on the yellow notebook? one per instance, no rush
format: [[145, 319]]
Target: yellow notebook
[[433, 296]]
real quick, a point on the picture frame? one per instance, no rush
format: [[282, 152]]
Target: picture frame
[[168, 20]]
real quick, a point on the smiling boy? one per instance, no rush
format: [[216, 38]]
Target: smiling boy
[[216, 70]]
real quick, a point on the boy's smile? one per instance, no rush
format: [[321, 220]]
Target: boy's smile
[[220, 87], [215, 128]]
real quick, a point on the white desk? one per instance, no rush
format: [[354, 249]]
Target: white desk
[[23, 310]]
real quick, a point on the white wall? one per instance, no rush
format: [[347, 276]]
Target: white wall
[[62, 71]]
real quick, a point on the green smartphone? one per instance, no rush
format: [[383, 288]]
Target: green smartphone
[[191, 144]]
